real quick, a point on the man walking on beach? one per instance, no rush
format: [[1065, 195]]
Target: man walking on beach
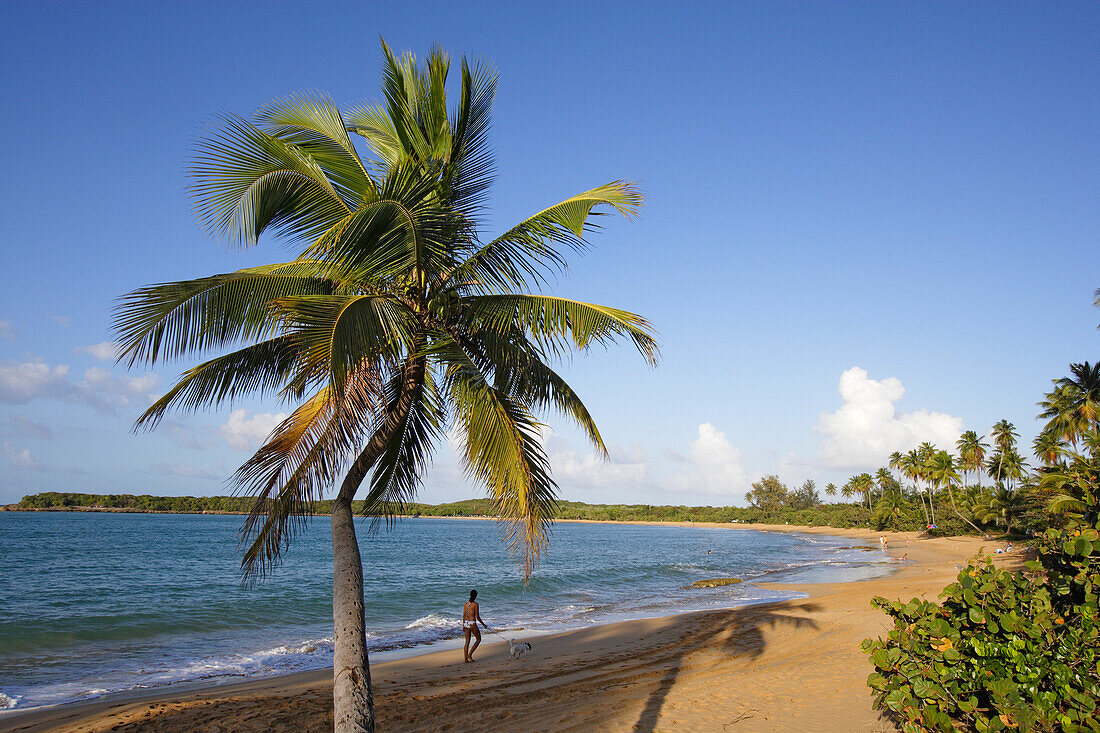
[[471, 615]]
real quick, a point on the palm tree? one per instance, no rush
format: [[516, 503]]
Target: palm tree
[[830, 489], [943, 473], [1049, 448], [890, 507], [972, 453], [1003, 507], [1004, 439], [910, 464], [895, 462], [885, 480], [396, 322], [846, 491], [925, 452], [864, 484], [1073, 407]]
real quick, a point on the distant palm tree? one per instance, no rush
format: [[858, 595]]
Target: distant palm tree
[[1004, 439], [895, 462], [864, 484], [972, 453], [885, 480], [943, 473], [1003, 508], [1073, 407], [1049, 448], [846, 491], [925, 452], [395, 323], [1008, 468], [911, 468], [891, 507], [830, 489]]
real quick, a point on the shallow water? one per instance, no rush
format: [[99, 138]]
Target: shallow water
[[95, 603]]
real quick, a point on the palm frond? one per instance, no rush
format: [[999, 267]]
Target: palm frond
[[503, 450], [402, 228], [302, 458], [245, 180], [519, 370], [170, 320], [260, 368], [470, 168], [338, 334], [407, 450], [1064, 503], [313, 123], [372, 123], [533, 250], [557, 323]]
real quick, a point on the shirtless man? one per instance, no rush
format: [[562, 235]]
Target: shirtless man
[[471, 615]]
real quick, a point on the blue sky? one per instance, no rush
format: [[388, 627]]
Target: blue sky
[[867, 224]]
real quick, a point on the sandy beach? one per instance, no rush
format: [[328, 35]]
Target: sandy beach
[[787, 666]]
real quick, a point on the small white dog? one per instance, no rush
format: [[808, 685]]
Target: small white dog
[[517, 649]]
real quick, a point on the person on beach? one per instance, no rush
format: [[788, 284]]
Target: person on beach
[[471, 615], [882, 541]]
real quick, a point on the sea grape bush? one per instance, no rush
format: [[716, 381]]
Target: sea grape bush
[[1004, 651]]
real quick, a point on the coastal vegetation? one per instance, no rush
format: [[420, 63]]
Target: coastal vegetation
[[835, 515], [1005, 650], [397, 322]]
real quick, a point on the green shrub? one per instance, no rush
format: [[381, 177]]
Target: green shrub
[[1003, 651]]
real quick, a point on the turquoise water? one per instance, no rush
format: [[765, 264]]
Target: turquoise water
[[92, 604]]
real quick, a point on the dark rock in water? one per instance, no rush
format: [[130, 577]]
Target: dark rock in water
[[714, 583]]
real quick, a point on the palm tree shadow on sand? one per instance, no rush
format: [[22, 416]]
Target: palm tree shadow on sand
[[739, 633]]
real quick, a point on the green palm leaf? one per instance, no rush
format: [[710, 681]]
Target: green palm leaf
[[314, 124], [171, 320], [557, 324], [260, 368], [502, 449], [245, 180], [399, 467], [337, 334], [528, 253]]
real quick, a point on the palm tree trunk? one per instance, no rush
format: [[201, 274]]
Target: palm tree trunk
[[352, 697], [923, 508], [353, 701], [960, 516]]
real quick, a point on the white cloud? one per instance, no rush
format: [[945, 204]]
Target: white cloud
[[7, 330], [21, 383], [712, 466], [624, 467], [103, 390], [182, 469], [63, 320], [867, 429], [19, 458], [104, 351], [98, 388], [246, 433]]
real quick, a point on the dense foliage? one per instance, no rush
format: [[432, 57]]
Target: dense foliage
[[1004, 650]]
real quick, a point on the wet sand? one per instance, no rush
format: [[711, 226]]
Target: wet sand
[[794, 665]]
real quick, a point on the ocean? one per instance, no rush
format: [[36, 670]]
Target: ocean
[[98, 603]]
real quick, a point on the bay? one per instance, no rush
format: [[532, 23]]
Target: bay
[[96, 603]]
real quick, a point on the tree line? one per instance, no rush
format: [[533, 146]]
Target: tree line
[[984, 484]]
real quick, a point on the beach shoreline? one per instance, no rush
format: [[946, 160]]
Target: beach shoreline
[[664, 672]]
